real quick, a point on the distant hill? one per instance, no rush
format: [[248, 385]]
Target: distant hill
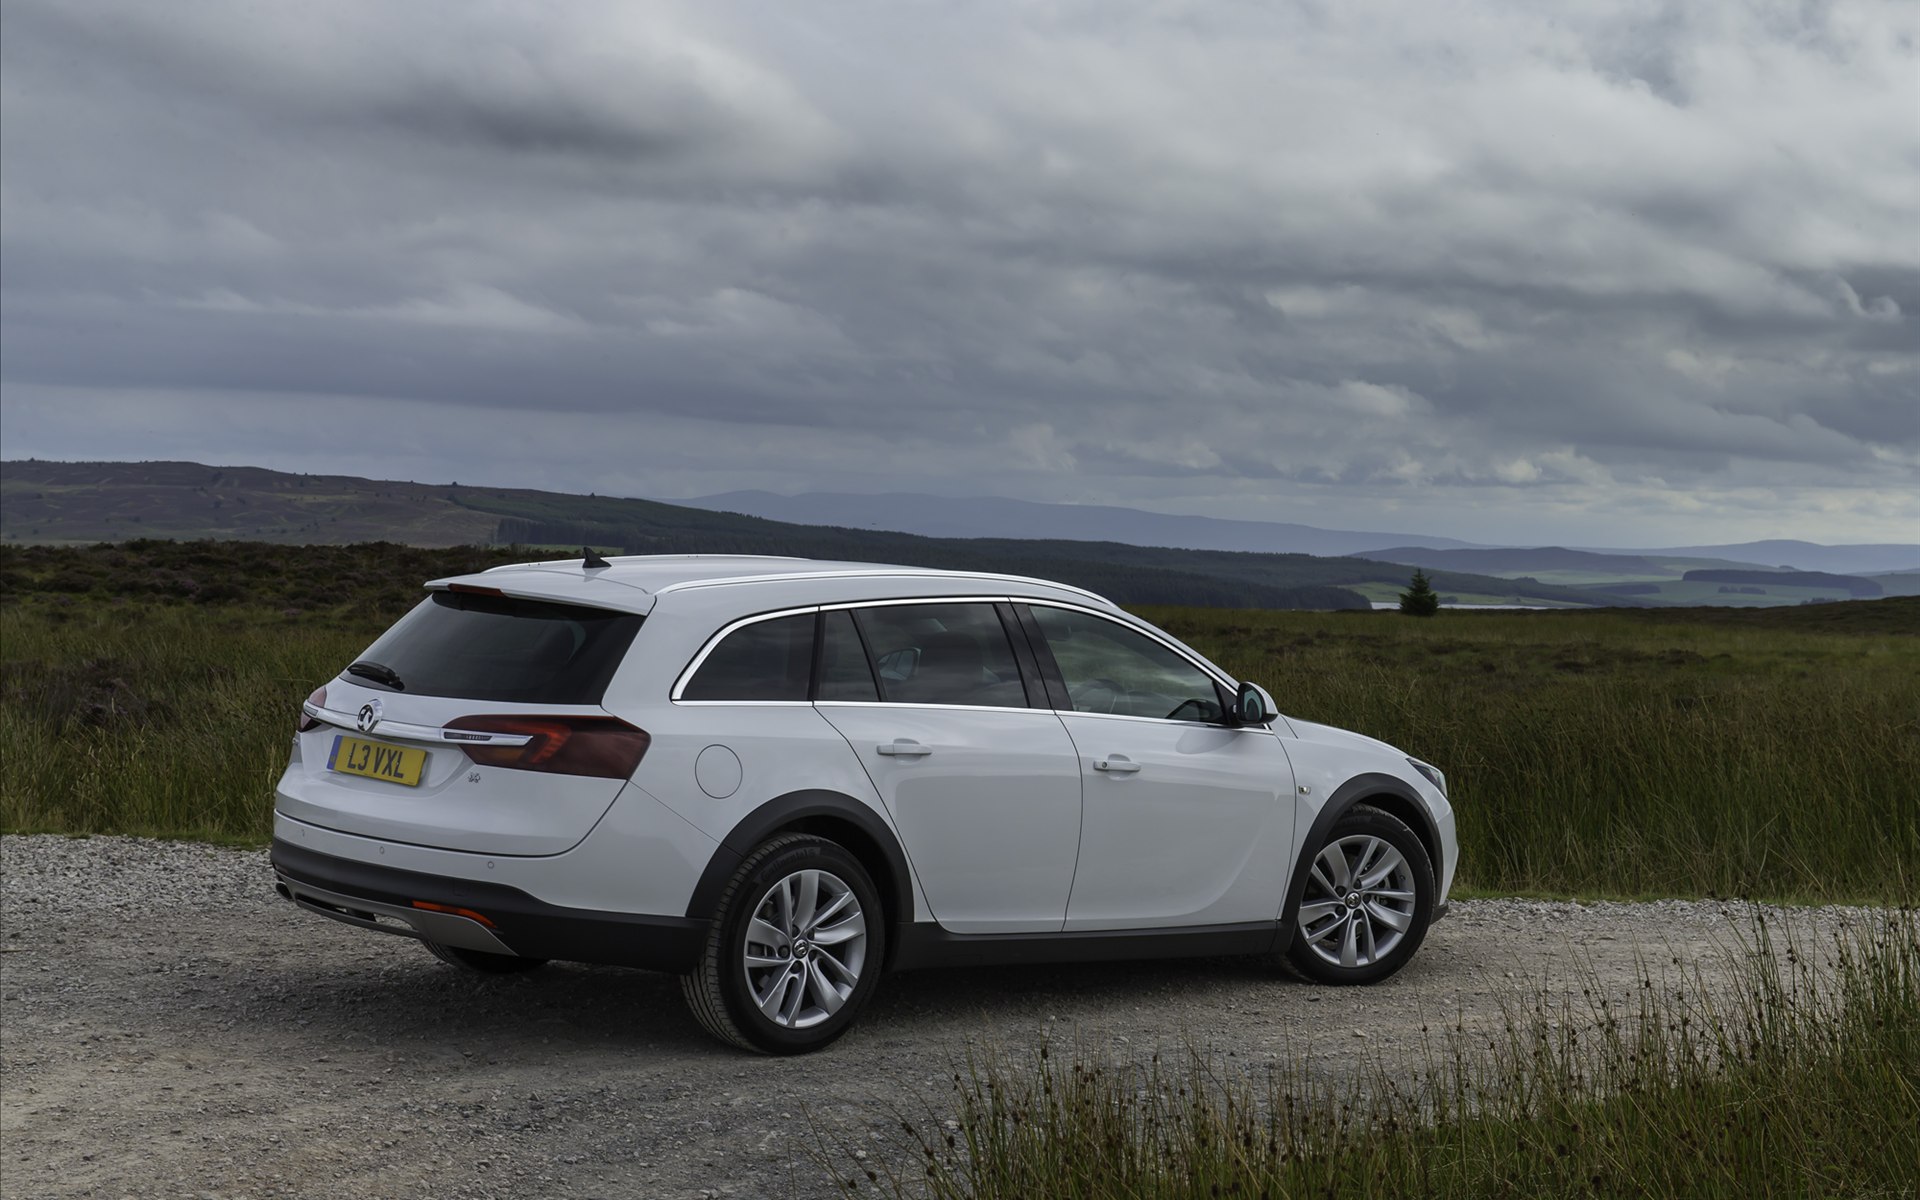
[[1899, 583], [992, 516], [1517, 561], [48, 502], [1865, 559], [1853, 585], [982, 516]]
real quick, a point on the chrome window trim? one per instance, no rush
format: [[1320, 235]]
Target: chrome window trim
[[707, 648], [1202, 665], [1000, 708], [686, 676]]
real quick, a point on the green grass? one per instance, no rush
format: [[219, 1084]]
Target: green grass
[[1706, 752], [1804, 1081], [1632, 752], [160, 720]]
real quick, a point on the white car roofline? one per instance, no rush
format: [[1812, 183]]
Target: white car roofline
[[882, 573], [618, 559]]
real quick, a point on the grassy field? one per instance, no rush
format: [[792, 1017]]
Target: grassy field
[[1671, 752], [1801, 1084], [1674, 752]]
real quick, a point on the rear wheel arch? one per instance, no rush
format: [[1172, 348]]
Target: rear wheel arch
[[835, 816]]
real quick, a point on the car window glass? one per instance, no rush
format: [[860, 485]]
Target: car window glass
[[845, 673], [943, 654], [480, 647], [768, 660], [1109, 668]]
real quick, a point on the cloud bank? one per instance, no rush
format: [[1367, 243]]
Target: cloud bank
[[1594, 272]]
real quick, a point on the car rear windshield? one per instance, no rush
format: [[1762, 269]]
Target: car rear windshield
[[479, 647]]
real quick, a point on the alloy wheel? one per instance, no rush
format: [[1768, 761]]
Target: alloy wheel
[[1359, 901], [805, 947]]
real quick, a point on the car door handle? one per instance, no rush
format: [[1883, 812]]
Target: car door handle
[[903, 748], [1119, 764]]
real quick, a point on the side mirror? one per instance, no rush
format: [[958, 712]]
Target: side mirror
[[1252, 705]]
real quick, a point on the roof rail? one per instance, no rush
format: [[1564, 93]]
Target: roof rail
[[617, 559], [882, 573]]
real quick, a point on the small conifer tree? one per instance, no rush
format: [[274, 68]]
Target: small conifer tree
[[1419, 600]]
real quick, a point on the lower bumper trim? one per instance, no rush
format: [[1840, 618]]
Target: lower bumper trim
[[444, 928], [382, 898]]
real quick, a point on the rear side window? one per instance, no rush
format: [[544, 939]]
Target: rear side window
[[767, 660], [478, 647], [943, 654]]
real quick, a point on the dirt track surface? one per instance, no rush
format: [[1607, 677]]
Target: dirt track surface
[[169, 1026]]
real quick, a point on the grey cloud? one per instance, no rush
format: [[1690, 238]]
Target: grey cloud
[[1119, 253]]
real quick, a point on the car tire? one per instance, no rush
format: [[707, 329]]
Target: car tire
[[794, 951], [482, 961], [1367, 901]]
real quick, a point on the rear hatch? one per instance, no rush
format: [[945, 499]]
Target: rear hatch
[[473, 724]]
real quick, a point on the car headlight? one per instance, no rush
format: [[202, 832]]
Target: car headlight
[[1435, 775]]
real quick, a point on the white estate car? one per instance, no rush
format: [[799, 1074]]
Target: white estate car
[[780, 778]]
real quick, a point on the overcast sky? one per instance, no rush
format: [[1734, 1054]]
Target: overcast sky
[[1595, 273]]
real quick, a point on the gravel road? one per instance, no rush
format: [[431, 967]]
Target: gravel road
[[168, 1026]]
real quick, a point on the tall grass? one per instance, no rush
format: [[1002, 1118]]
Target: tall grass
[[168, 721], [1804, 1081], [1608, 753], [1591, 753]]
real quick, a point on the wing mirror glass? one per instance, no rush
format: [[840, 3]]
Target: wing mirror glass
[[1252, 705]]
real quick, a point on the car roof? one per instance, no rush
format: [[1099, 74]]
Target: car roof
[[634, 582]]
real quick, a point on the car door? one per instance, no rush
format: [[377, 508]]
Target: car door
[[1185, 821], [984, 786]]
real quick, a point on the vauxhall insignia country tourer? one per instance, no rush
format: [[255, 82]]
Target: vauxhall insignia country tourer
[[780, 779]]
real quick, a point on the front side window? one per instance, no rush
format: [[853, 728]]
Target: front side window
[[942, 654], [767, 660], [1109, 668]]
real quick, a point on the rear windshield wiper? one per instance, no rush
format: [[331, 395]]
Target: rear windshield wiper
[[366, 668]]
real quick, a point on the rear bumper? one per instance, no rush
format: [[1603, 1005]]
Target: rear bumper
[[503, 920]]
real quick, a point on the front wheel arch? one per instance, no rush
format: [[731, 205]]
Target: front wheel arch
[[1395, 797]]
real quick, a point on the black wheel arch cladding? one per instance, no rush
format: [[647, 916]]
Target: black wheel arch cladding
[[1395, 797], [832, 815]]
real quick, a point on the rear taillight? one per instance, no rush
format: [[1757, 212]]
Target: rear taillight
[[602, 746], [307, 724]]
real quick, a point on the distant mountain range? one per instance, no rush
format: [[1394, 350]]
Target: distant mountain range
[[989, 516], [1135, 557], [995, 516], [55, 502]]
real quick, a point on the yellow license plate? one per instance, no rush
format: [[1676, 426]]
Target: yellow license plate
[[377, 760]]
